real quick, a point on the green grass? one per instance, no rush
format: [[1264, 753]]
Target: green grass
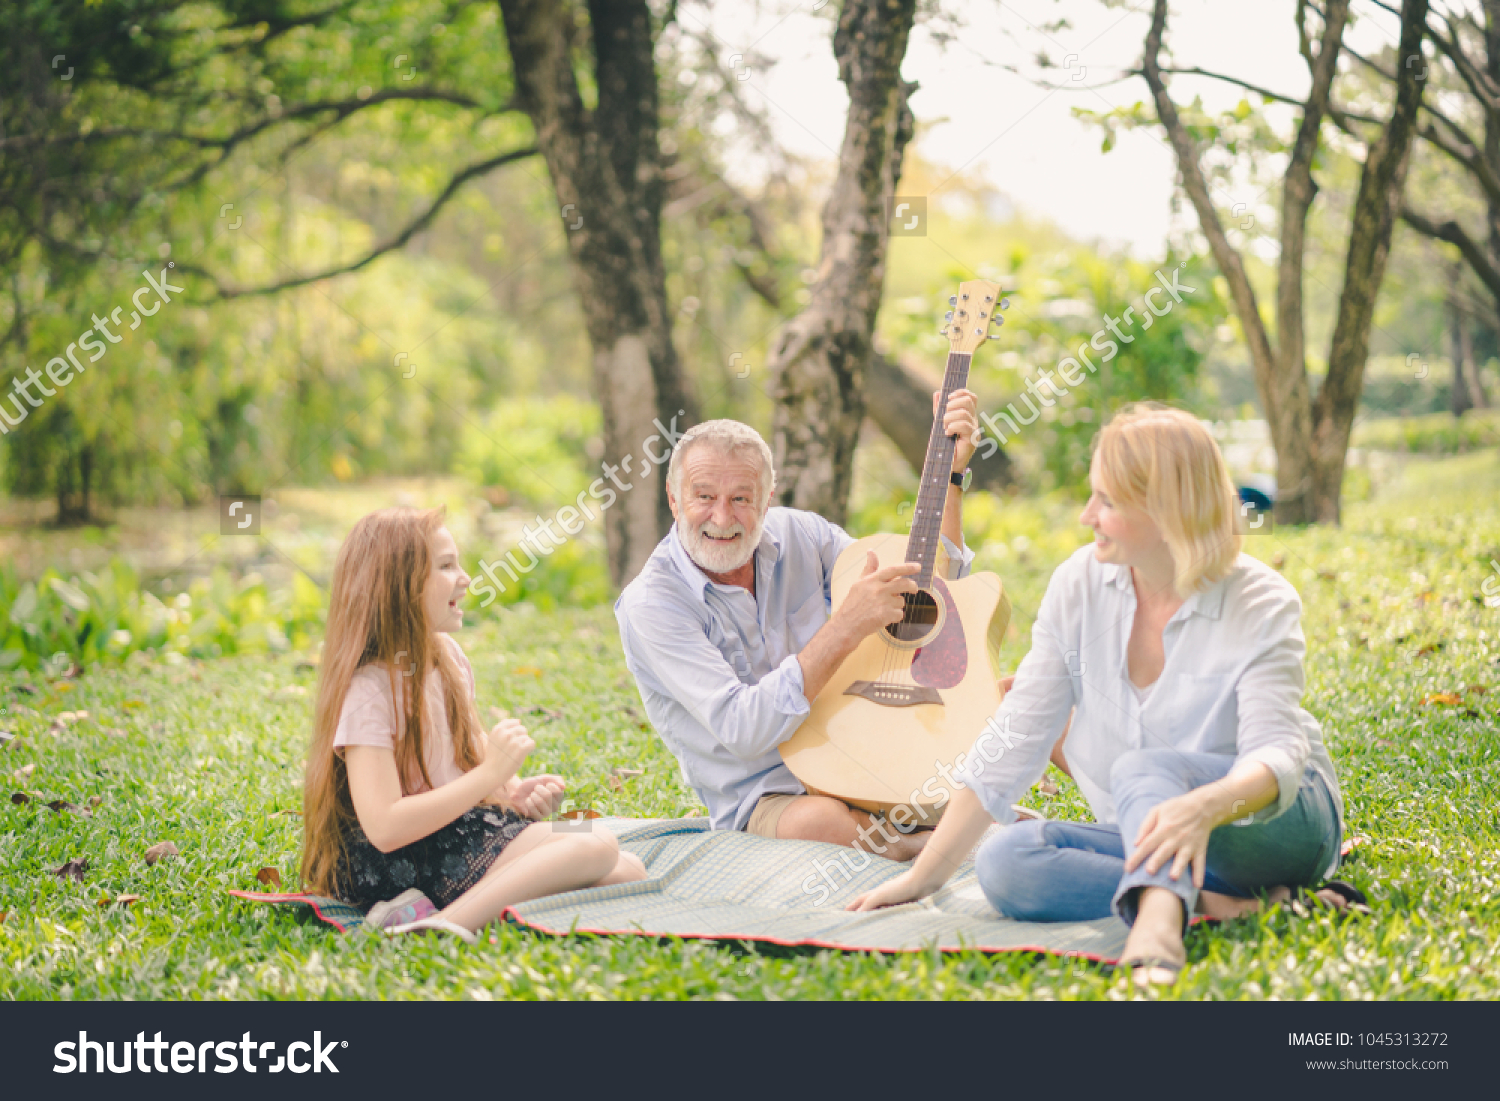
[[205, 756]]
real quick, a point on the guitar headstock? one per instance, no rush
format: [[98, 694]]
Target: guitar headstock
[[972, 311]]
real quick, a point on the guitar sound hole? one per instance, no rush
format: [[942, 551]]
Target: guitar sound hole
[[920, 618]]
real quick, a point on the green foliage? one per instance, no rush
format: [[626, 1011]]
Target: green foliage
[[537, 449], [574, 575], [1433, 434], [102, 618]]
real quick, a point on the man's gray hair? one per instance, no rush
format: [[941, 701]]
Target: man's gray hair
[[728, 438]]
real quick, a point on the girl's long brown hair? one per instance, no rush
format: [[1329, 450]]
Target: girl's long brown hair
[[376, 614]]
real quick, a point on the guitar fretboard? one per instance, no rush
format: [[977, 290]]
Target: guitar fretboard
[[927, 518]]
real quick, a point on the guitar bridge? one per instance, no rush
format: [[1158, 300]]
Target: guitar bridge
[[893, 695]]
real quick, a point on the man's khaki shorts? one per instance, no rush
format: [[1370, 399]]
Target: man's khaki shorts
[[767, 813]]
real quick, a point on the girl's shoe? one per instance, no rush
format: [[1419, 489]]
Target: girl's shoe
[[434, 924], [405, 908]]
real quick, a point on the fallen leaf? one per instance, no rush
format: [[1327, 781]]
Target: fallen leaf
[[24, 689], [546, 712], [1278, 560], [1328, 575], [1353, 843], [119, 900], [3, 915], [1047, 787], [289, 692], [19, 798], [160, 851], [131, 705], [95, 800], [532, 669], [25, 770], [1384, 744], [1449, 699], [115, 731], [62, 687], [269, 876], [60, 805], [580, 812], [1476, 689], [73, 869]]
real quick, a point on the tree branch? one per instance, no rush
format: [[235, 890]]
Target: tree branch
[[1454, 234], [1196, 187], [391, 243]]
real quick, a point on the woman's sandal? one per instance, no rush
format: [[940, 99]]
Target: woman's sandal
[[1304, 899]]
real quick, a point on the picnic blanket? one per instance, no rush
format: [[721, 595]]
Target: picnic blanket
[[726, 885]]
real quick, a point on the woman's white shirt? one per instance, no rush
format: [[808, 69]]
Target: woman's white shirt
[[1231, 684]]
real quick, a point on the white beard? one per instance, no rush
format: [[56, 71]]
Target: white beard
[[714, 557]]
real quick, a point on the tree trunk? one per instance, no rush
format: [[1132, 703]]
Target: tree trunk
[[1376, 205], [1459, 349], [894, 393], [1311, 437], [821, 358], [606, 170]]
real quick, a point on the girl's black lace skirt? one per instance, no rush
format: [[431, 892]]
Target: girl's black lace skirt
[[442, 865]]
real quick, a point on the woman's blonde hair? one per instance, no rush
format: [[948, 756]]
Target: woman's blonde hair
[[376, 616], [1166, 463]]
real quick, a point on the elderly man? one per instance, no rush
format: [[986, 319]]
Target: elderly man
[[728, 633]]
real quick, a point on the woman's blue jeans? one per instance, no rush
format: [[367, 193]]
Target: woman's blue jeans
[[1075, 871]]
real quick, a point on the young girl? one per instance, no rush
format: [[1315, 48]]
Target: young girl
[[1180, 660], [408, 800]]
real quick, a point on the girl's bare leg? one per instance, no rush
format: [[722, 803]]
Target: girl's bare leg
[[543, 860], [627, 869]]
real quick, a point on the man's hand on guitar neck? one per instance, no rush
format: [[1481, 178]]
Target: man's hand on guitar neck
[[874, 601]]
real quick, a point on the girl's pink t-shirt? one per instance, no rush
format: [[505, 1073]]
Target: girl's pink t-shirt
[[369, 717]]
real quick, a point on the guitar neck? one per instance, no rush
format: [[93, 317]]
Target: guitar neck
[[927, 518]]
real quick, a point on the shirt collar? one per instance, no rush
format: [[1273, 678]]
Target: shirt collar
[[767, 551]]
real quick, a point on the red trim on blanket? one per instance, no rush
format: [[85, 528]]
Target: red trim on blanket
[[306, 900], [510, 915]]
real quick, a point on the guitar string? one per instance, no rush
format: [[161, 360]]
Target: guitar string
[[897, 668]]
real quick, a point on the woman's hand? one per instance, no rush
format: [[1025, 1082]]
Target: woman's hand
[[1176, 830], [904, 888], [536, 796], [507, 748]]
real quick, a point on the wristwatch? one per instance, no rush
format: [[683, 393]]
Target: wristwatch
[[962, 480]]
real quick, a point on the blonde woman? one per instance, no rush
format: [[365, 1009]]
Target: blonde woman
[[1181, 660]]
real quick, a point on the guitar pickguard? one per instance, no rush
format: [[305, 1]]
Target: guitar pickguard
[[943, 662]]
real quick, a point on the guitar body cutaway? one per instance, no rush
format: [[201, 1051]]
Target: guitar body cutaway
[[899, 708]]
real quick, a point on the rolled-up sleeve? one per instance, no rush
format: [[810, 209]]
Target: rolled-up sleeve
[[1269, 702], [1013, 749], [667, 645]]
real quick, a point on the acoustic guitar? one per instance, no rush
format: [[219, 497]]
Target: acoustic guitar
[[916, 694]]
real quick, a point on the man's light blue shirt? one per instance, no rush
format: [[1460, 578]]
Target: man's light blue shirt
[[717, 667]]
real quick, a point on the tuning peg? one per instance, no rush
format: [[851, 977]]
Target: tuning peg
[[1005, 303], [994, 336], [948, 316], [943, 331], [998, 320], [953, 300]]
